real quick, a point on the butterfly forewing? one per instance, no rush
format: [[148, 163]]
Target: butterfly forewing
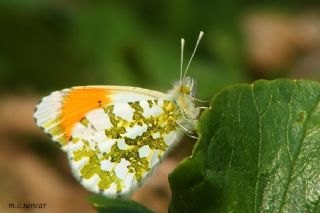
[[112, 144]]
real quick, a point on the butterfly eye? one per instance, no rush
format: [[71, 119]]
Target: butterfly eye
[[185, 90]]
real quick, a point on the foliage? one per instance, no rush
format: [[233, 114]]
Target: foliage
[[258, 152], [47, 46], [103, 204]]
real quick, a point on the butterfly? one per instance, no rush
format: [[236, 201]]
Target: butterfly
[[115, 136]]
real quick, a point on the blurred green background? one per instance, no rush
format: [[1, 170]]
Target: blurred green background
[[48, 45]]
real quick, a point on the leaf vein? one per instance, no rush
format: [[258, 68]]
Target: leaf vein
[[312, 110]]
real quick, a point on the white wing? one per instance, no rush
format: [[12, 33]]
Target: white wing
[[118, 134]]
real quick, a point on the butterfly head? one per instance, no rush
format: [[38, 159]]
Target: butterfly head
[[187, 86], [183, 94]]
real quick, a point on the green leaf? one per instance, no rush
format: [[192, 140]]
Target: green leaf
[[259, 151], [103, 204]]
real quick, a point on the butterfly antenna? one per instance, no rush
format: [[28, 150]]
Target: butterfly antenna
[[194, 51], [181, 60]]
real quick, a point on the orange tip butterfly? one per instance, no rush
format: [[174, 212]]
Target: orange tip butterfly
[[115, 136]]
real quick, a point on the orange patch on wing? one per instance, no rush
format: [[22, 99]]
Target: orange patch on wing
[[78, 103]]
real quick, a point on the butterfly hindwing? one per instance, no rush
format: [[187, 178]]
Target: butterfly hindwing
[[116, 153]]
